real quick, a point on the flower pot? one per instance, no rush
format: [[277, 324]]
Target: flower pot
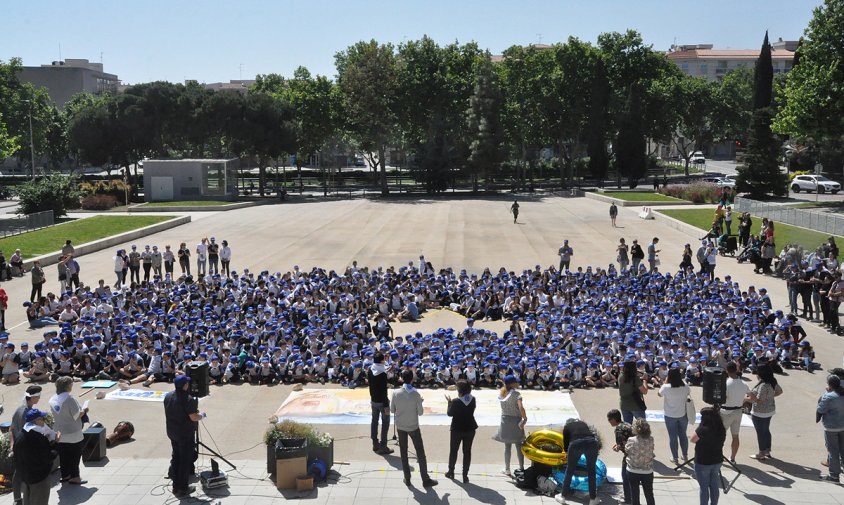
[[324, 454], [285, 448]]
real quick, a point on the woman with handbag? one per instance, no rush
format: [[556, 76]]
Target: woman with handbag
[[68, 416], [631, 387], [675, 393], [463, 427], [764, 407]]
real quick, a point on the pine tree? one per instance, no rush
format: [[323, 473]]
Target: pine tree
[[630, 147], [761, 174], [484, 117], [597, 129]]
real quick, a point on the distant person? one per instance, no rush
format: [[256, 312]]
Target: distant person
[[406, 405], [565, 253], [463, 427], [226, 258], [514, 209], [613, 213], [637, 254], [653, 252], [377, 379], [67, 248]]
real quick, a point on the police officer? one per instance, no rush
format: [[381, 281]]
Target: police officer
[[181, 413]]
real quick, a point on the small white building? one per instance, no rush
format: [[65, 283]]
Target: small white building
[[173, 180]]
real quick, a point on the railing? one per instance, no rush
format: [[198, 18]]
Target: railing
[[824, 222], [27, 222]]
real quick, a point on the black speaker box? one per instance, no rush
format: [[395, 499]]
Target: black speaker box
[[94, 444], [198, 373], [714, 385]]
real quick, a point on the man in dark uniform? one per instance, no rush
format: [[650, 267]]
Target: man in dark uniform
[[31, 397], [181, 413]]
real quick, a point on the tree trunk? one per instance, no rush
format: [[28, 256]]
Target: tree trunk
[[262, 176], [382, 160]]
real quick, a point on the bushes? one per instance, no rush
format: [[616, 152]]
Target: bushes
[[56, 192], [115, 188], [697, 192], [792, 175], [99, 202]]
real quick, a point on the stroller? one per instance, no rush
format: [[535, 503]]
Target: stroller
[[751, 254], [727, 245]]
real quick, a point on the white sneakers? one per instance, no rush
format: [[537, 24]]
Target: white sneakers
[[559, 498]]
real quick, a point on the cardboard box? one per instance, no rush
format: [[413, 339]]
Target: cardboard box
[[288, 469]]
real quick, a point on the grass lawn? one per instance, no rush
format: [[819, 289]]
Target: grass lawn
[[80, 231], [816, 205], [640, 196], [784, 233], [189, 203]]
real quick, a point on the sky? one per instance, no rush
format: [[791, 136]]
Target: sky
[[216, 40]]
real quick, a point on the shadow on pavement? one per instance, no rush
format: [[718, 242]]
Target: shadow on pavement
[[765, 478], [483, 495], [75, 495]]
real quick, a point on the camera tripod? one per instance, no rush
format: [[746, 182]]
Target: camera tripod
[[717, 407], [211, 452]]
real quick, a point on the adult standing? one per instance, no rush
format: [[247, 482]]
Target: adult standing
[[640, 461], [709, 440], [181, 413], [763, 397], [613, 213], [67, 248], [711, 259], [653, 252], [514, 209], [134, 265], [146, 262], [38, 280], [731, 409], [226, 258], [686, 265], [156, 259], [30, 399], [579, 440], [745, 225], [623, 431], [463, 427], [184, 258], [119, 268], [728, 220], [831, 414], [35, 457], [565, 253], [622, 256], [201, 257], [511, 431], [67, 420], [636, 256], [407, 407], [630, 391], [836, 296], [377, 378], [4, 304], [674, 393], [169, 260], [213, 257]]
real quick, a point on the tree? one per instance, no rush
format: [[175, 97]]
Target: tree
[[693, 103], [761, 174], [266, 131], [814, 99], [367, 80], [597, 122], [55, 192], [8, 143], [484, 118], [630, 146], [733, 106]]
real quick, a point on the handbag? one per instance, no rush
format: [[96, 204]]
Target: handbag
[[640, 400], [691, 411]]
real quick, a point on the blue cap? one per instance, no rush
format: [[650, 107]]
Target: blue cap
[[181, 380]]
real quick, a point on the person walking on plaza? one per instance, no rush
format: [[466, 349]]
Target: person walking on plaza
[[613, 213], [511, 431], [376, 376], [406, 405], [653, 258], [630, 391], [763, 397], [674, 393], [514, 209], [579, 440], [30, 399], [640, 461], [565, 253], [181, 413], [34, 457], [730, 411], [67, 420], [623, 431], [463, 427], [709, 440], [831, 414]]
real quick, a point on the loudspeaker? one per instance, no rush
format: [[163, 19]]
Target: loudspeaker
[[714, 385], [198, 373], [94, 443]]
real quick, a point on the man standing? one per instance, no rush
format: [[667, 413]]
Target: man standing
[[181, 414], [636, 256], [30, 399], [565, 253], [731, 409], [35, 457], [652, 255], [514, 209], [157, 258], [579, 440], [831, 414], [201, 257], [623, 431], [376, 376], [613, 213], [213, 257], [407, 407], [134, 265]]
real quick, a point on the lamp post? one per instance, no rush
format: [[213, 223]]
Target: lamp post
[[31, 138]]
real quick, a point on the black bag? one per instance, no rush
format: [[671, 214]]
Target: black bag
[[527, 479], [640, 400]]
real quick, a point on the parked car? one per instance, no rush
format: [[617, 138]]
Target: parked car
[[814, 182], [698, 158], [726, 183]]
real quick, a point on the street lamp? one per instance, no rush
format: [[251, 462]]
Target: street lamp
[[31, 138]]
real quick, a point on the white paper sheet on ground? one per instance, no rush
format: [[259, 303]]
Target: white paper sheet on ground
[[614, 475], [658, 416], [351, 406]]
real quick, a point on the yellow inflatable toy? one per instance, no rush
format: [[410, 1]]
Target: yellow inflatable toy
[[531, 448]]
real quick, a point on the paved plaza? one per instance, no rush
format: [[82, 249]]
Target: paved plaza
[[461, 233]]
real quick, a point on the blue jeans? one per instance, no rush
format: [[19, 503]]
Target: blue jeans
[[835, 450], [628, 415], [763, 432], [792, 299], [677, 432], [379, 411], [708, 477], [577, 448]]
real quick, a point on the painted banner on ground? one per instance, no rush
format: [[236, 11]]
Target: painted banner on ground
[[658, 416], [351, 406], [98, 384]]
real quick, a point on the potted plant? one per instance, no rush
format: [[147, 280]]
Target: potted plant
[[284, 435], [321, 446], [7, 464]]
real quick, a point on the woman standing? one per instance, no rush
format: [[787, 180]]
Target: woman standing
[[764, 407], [686, 262], [513, 418], [709, 440], [640, 461], [38, 280], [675, 392], [623, 260], [463, 426], [636, 255], [67, 420], [630, 391]]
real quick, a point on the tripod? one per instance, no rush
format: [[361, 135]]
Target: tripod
[[211, 452], [717, 407]]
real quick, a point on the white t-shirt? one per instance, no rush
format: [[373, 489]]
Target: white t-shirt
[[736, 391], [675, 400]]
